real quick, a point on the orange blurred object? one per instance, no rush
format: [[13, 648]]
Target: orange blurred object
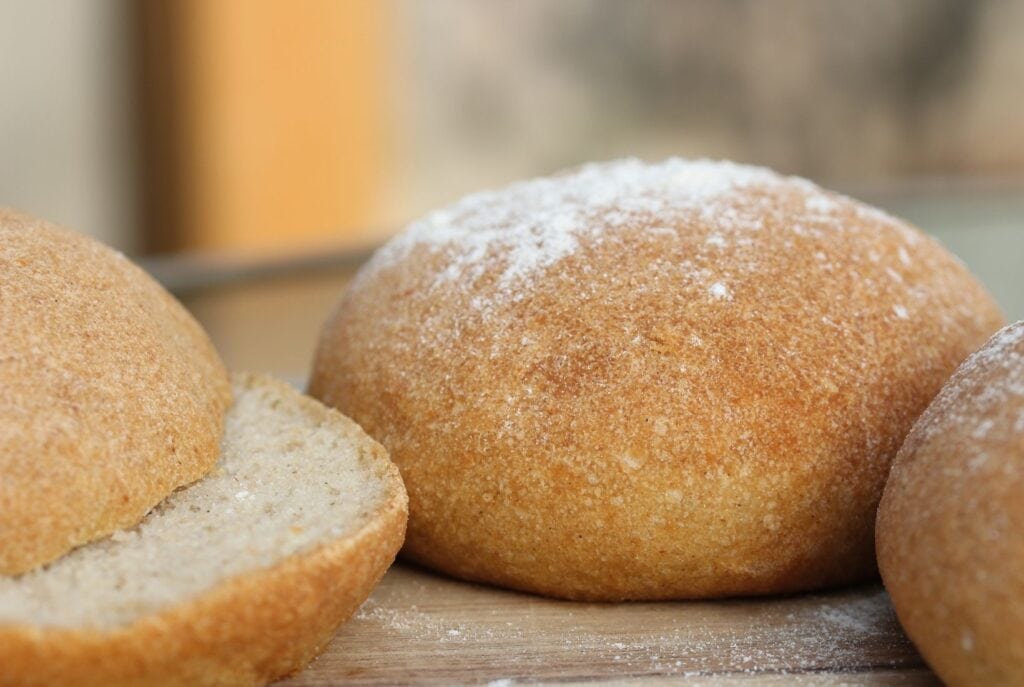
[[268, 121]]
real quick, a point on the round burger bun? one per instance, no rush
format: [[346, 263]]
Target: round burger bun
[[950, 531], [649, 381]]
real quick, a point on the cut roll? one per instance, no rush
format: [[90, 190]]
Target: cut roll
[[235, 580]]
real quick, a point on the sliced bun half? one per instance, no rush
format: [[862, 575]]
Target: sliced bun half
[[235, 580], [111, 394]]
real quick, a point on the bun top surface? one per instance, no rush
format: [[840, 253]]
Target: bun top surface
[[983, 400], [111, 395], [708, 243]]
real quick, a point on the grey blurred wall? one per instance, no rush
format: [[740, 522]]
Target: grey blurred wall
[[66, 115], [843, 92], [486, 91]]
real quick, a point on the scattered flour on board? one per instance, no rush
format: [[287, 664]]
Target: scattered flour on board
[[824, 633]]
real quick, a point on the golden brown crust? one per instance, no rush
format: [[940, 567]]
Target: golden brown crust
[[696, 402], [246, 631], [111, 395], [950, 531]]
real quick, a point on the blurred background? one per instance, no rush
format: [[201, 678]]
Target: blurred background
[[252, 151]]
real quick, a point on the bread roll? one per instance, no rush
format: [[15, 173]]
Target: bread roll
[[111, 396], [649, 381], [235, 580], [951, 523]]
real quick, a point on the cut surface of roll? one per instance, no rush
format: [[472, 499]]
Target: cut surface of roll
[[235, 580], [649, 381], [950, 532], [111, 394]]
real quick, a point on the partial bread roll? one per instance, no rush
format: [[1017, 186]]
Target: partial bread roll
[[951, 523], [235, 580], [111, 395], [649, 381]]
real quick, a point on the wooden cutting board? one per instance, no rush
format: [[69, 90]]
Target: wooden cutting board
[[420, 628]]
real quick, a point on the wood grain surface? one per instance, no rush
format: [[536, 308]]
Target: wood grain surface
[[419, 628]]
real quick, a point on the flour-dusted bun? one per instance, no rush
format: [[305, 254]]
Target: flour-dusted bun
[[951, 523], [111, 395], [637, 381], [234, 580]]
